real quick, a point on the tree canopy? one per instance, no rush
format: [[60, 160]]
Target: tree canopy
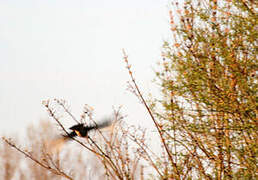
[[208, 78]]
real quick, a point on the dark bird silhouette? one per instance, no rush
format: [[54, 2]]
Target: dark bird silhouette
[[82, 130]]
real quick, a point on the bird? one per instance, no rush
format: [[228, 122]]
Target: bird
[[81, 130], [77, 130]]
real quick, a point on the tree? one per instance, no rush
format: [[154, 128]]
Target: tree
[[208, 79]]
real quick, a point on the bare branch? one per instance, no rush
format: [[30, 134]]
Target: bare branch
[[47, 167]]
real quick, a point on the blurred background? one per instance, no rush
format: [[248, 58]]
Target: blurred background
[[73, 50]]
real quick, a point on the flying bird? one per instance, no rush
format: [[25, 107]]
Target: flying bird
[[80, 130]]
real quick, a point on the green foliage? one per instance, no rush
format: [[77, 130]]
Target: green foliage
[[209, 86]]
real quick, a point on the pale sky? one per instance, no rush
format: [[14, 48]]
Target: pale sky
[[72, 49]]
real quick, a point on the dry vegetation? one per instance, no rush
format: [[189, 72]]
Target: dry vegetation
[[110, 154], [103, 155]]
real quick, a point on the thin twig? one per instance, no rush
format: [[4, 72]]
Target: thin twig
[[150, 113], [57, 172], [66, 110]]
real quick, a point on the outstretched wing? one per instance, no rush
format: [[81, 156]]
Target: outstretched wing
[[103, 124]]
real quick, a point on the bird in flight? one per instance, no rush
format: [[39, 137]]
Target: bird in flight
[[82, 130], [78, 130]]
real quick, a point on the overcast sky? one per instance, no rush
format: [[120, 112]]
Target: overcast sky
[[71, 49]]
